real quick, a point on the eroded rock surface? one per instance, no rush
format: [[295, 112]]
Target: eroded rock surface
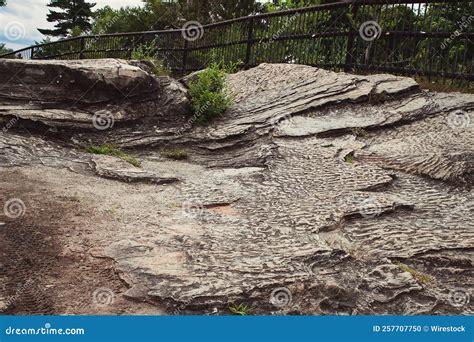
[[87, 93], [316, 193]]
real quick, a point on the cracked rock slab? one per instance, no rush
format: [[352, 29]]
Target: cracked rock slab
[[114, 168]]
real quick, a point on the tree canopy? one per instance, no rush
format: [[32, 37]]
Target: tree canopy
[[73, 16], [4, 50]]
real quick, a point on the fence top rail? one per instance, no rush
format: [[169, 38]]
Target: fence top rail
[[344, 3]]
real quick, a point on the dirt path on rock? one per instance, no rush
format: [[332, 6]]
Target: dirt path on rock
[[46, 267]]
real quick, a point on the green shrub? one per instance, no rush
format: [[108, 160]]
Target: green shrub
[[209, 93], [148, 53]]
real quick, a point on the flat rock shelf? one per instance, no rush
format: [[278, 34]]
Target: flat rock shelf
[[315, 193]]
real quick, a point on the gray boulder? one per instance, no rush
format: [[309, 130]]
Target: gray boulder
[[87, 93]]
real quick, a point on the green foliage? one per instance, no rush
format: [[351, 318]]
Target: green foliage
[[3, 3], [176, 153], [242, 310], [161, 15], [74, 17], [148, 53], [4, 50], [209, 93], [111, 150], [349, 158], [419, 276], [128, 19]]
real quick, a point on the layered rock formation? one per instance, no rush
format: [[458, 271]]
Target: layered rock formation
[[316, 193], [87, 93]]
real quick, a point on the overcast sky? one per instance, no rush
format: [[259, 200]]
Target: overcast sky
[[20, 19]]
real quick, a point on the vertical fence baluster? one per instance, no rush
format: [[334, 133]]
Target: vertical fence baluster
[[185, 56], [249, 43], [83, 46], [351, 38]]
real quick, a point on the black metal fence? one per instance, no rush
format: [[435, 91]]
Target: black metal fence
[[433, 38]]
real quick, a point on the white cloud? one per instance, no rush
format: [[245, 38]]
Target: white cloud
[[20, 19]]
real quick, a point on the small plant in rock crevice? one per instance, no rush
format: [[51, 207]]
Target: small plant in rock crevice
[[242, 310], [209, 93], [111, 150], [349, 158], [419, 276]]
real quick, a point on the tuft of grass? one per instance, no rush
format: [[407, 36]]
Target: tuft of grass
[[111, 150], [175, 153], [359, 132], [242, 310], [419, 276], [349, 158], [148, 53]]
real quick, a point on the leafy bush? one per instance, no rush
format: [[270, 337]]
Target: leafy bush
[[148, 53], [209, 93]]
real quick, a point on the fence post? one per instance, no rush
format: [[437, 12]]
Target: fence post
[[249, 44], [351, 38], [185, 56], [83, 46], [32, 52]]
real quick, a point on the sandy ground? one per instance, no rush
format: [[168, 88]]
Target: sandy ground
[[46, 263]]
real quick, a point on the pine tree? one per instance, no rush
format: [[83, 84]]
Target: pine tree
[[74, 15]]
